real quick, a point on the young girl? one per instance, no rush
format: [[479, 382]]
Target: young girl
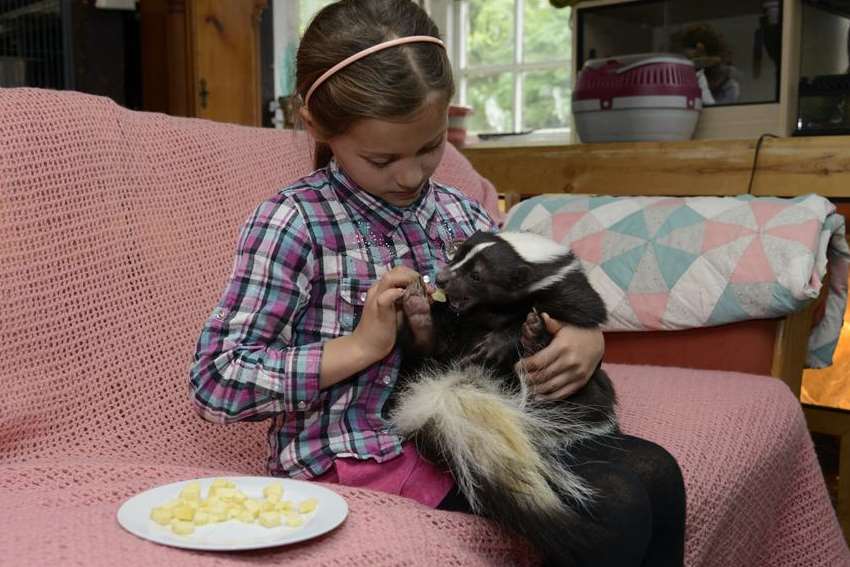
[[305, 332]]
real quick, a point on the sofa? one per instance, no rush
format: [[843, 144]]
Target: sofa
[[117, 230]]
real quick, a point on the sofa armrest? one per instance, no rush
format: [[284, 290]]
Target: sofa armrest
[[770, 347]]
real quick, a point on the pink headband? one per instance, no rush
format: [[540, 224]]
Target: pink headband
[[368, 51]]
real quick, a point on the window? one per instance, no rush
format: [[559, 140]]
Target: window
[[512, 63]]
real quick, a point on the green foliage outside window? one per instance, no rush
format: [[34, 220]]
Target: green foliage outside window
[[490, 41]]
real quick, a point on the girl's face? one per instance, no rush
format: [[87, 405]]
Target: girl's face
[[393, 160]]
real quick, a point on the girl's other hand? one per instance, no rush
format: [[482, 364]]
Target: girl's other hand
[[564, 366], [375, 334]]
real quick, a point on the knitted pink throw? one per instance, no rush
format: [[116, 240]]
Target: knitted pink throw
[[116, 234]]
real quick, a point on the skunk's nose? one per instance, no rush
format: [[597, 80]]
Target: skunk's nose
[[443, 277]]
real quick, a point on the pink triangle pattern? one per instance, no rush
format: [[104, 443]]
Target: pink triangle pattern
[[766, 210], [589, 248], [717, 234], [753, 266], [563, 223], [806, 233], [649, 308]]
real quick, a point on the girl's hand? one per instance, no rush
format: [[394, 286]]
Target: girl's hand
[[375, 334], [567, 363]]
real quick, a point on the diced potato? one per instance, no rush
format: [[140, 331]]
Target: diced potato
[[246, 516], [201, 518], [226, 494], [191, 491], [294, 521], [218, 517], [273, 492], [269, 519], [161, 515], [266, 506], [183, 512], [181, 527], [224, 502], [216, 505], [308, 505]]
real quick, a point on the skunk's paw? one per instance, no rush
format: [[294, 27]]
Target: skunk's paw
[[534, 337], [417, 311]]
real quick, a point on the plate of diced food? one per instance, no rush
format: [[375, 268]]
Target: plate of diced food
[[233, 513]]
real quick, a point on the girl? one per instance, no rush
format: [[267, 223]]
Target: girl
[[305, 331]]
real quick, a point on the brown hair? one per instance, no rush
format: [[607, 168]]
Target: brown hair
[[390, 84]]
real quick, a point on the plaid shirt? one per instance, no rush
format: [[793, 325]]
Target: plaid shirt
[[305, 259]]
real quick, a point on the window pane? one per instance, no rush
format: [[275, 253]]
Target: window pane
[[547, 99], [308, 9], [490, 32], [492, 98], [546, 32]]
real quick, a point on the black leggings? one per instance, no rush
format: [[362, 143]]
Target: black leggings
[[640, 512]]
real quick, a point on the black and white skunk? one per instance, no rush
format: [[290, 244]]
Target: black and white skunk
[[461, 401]]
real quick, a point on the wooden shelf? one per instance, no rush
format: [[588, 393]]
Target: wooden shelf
[[785, 167]]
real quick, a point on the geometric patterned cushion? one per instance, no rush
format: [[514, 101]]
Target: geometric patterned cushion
[[665, 263]]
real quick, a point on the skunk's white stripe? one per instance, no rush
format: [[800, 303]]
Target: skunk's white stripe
[[554, 278], [533, 248], [471, 254]]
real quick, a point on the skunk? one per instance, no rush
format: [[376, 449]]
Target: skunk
[[461, 401]]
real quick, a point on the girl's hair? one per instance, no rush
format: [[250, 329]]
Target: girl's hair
[[389, 84]]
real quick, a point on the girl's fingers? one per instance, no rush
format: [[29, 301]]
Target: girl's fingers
[[399, 277], [388, 297], [539, 361], [564, 392]]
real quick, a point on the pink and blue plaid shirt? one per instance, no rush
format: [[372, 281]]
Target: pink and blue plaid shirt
[[304, 261]]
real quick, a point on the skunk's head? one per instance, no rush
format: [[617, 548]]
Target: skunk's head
[[501, 268]]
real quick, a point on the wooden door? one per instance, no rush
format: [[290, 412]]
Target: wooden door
[[225, 49]]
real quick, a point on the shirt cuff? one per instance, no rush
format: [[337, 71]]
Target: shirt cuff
[[303, 367]]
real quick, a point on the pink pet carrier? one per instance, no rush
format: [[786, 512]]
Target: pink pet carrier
[[637, 97]]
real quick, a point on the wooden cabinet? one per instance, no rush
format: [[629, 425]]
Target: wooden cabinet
[[202, 58]]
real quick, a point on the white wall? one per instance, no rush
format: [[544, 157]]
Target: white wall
[[824, 43]]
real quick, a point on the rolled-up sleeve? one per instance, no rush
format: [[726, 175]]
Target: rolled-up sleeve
[[245, 365]]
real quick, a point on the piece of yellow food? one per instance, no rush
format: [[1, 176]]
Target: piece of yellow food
[[224, 501], [161, 515], [308, 505], [269, 519], [439, 295], [181, 527]]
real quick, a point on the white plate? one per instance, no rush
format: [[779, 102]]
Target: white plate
[[232, 535]]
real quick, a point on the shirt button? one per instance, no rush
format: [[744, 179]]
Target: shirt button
[[363, 297], [426, 279], [387, 380], [302, 404]]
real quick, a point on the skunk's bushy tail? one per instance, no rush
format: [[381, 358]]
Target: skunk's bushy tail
[[503, 451]]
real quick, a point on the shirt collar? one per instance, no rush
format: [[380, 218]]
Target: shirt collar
[[370, 207]]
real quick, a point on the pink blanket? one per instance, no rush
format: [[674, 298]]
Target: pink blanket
[[116, 234]]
